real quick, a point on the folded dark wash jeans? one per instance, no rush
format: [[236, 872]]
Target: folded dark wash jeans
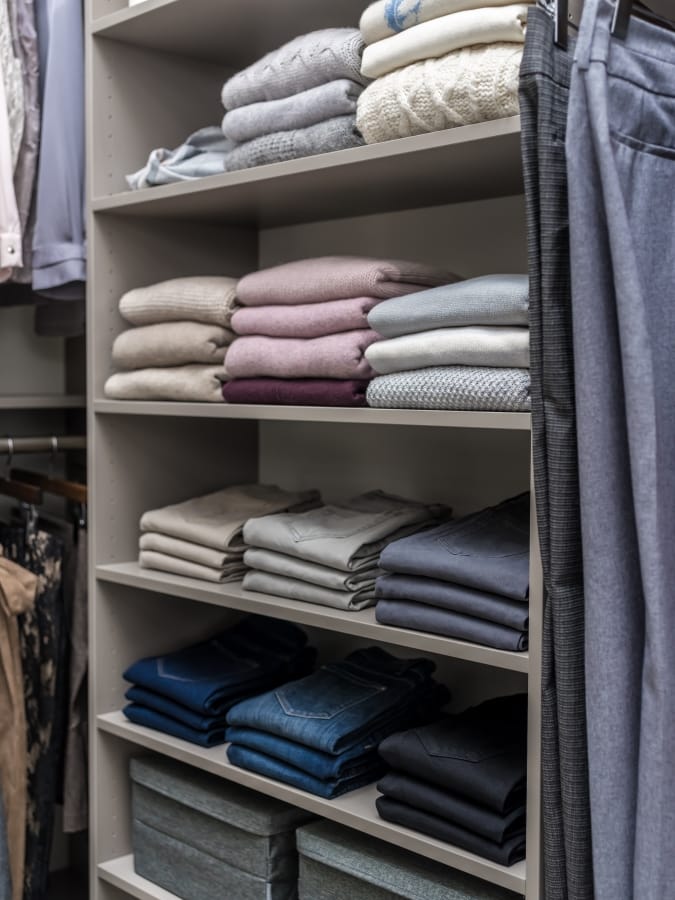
[[332, 709], [432, 620], [506, 854], [188, 717], [487, 551], [281, 771], [439, 802], [480, 754], [207, 676], [150, 718], [456, 597]]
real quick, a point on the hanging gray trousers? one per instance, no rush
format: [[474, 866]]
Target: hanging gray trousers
[[621, 178]]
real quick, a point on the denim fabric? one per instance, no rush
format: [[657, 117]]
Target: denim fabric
[[206, 677], [455, 597], [280, 771], [621, 173], [188, 717], [150, 718], [506, 854], [5, 875], [332, 709], [379, 870], [431, 619], [456, 809], [480, 753], [324, 766], [488, 550]]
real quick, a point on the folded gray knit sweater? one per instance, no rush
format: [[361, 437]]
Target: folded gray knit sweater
[[302, 63], [333, 134], [453, 387]]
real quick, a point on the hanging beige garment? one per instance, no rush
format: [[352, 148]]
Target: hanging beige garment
[[17, 595]]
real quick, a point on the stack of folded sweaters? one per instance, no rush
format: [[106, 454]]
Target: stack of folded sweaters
[[439, 64], [177, 348], [461, 346], [202, 537], [303, 329], [463, 779], [329, 555], [321, 733], [296, 101], [188, 693], [467, 579]]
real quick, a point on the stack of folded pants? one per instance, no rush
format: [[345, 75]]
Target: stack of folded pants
[[202, 538], [298, 100], [303, 331], [463, 346], [438, 64], [176, 349], [188, 693], [330, 555], [321, 733], [463, 779], [467, 579]]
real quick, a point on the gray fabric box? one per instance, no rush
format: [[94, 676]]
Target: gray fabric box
[[336, 863], [194, 834]]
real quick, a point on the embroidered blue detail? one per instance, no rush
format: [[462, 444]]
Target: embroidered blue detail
[[401, 14]]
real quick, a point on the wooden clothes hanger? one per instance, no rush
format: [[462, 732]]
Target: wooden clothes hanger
[[15, 487], [60, 487]]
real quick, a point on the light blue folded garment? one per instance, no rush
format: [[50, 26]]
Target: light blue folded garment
[[202, 154]]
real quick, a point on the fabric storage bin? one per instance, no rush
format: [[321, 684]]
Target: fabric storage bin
[[224, 834], [336, 863]]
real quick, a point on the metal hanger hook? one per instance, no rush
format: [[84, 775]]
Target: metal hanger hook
[[10, 454], [55, 450]]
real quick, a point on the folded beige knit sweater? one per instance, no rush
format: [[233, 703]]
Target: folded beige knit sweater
[[195, 384], [171, 344], [464, 87], [200, 298]]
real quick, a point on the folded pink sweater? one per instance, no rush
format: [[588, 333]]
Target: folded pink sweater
[[306, 320], [336, 277], [332, 356]]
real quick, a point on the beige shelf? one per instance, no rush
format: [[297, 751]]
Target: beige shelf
[[120, 873], [356, 809], [360, 623], [42, 401], [467, 163], [433, 418]]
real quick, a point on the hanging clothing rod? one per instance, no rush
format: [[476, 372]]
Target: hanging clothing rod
[[11, 445]]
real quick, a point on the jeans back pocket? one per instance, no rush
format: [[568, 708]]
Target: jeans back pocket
[[487, 537], [326, 694], [334, 522]]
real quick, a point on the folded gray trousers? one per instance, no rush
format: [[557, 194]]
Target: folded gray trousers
[[294, 589], [313, 573]]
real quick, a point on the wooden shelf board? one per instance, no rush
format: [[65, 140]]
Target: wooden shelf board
[[501, 421], [467, 163], [356, 809], [360, 623]]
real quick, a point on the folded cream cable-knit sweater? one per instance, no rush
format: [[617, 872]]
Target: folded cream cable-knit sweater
[[464, 87], [440, 36], [386, 17]]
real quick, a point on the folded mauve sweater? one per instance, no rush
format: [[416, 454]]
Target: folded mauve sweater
[[476, 84], [170, 344], [325, 137], [488, 25], [387, 17], [337, 277], [306, 320], [296, 391], [325, 101], [185, 383], [332, 356], [303, 63], [200, 298]]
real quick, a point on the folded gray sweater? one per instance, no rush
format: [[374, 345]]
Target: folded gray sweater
[[326, 101], [300, 64], [453, 387], [333, 134]]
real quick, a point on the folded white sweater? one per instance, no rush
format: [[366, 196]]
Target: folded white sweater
[[386, 17], [429, 40]]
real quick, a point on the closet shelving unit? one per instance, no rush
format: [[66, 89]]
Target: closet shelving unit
[[154, 74]]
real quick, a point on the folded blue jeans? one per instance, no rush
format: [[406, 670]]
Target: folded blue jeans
[[150, 718], [188, 717], [207, 676], [332, 709], [280, 771]]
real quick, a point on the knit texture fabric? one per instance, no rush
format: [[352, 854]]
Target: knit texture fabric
[[440, 36], [475, 345], [326, 101], [476, 84], [185, 383], [453, 387], [339, 133], [302, 63], [171, 344], [201, 298], [305, 320], [387, 17], [296, 391]]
